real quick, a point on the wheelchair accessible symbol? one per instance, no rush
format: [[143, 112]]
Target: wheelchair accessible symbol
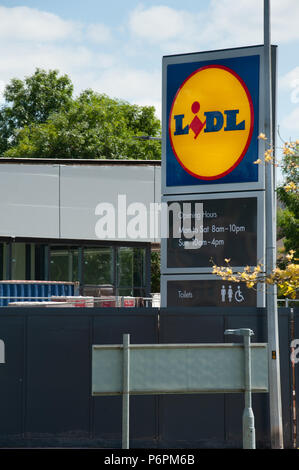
[[229, 294]]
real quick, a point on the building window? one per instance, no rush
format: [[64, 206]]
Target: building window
[[40, 272], [98, 265], [64, 264], [123, 267], [131, 271], [2, 262], [18, 261]]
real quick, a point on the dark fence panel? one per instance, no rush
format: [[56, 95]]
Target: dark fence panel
[[45, 393], [295, 378], [108, 328], [285, 372], [58, 376], [12, 386], [191, 420], [218, 419]]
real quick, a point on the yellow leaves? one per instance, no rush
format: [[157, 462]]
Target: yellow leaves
[[290, 255], [290, 187], [268, 155], [287, 279], [262, 136], [288, 151]]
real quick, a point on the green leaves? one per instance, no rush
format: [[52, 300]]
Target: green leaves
[[288, 215], [44, 121], [35, 98]]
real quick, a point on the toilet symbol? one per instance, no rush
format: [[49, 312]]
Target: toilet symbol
[[196, 124], [223, 293], [238, 295], [230, 293]]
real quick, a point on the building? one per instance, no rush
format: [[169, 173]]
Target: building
[[49, 210]]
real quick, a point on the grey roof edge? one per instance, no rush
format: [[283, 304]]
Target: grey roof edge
[[77, 161]]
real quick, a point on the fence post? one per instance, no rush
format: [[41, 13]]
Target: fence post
[[126, 392]]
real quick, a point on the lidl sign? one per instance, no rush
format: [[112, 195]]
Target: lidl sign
[[212, 116], [211, 122]]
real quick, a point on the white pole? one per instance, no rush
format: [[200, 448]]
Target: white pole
[[248, 416]]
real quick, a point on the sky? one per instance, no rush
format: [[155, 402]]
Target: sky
[[116, 47]]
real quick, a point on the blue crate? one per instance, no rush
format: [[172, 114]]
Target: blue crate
[[31, 291]]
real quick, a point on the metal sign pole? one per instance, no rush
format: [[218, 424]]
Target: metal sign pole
[[272, 313], [126, 392], [248, 416]]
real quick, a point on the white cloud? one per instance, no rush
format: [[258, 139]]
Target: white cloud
[[98, 33], [28, 24], [290, 80], [285, 20], [129, 84], [158, 23], [23, 58], [79, 62], [2, 86], [225, 23], [290, 83], [30, 38], [291, 122]]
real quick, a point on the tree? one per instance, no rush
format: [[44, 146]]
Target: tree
[[31, 101], [90, 126], [155, 271], [288, 215]]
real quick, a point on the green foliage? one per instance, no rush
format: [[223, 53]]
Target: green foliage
[[40, 123], [32, 101], [288, 223], [288, 216], [155, 271]]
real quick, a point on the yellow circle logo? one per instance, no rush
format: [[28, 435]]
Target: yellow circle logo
[[211, 122]]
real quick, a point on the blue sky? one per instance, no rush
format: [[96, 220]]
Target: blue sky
[[116, 46]]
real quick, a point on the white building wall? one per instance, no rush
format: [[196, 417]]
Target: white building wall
[[29, 200], [59, 201]]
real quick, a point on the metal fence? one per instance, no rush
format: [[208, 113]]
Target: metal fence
[[45, 393]]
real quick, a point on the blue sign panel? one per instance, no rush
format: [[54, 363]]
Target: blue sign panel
[[212, 116]]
